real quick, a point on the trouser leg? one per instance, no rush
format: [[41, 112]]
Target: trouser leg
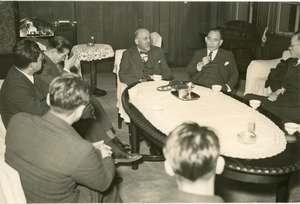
[[101, 115], [92, 131]]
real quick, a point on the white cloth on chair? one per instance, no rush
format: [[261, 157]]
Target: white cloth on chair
[[257, 74], [120, 86], [156, 39], [11, 190]]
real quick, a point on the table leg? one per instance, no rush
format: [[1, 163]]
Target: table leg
[[95, 90], [134, 142], [282, 191]]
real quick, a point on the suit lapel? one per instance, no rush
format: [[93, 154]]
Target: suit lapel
[[137, 57]]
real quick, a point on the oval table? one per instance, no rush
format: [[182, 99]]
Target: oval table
[[272, 167]]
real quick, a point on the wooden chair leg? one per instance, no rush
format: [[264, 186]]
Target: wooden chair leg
[[119, 121]]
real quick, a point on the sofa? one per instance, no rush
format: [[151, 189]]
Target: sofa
[[257, 74]]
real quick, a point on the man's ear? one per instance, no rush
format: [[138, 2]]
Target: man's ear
[[48, 99], [136, 41], [220, 165], [221, 42], [206, 40], [168, 168]]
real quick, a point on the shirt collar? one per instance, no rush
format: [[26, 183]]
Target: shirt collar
[[30, 77], [214, 53]]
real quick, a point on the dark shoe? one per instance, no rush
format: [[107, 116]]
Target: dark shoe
[[155, 151], [126, 158], [120, 144]]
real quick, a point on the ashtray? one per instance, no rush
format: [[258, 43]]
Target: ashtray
[[164, 88], [194, 96], [246, 137]]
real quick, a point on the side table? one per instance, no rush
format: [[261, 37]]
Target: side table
[[91, 54]]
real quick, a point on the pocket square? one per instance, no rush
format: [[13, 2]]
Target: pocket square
[[226, 63]]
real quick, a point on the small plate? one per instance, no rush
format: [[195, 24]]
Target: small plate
[[164, 88], [194, 96]]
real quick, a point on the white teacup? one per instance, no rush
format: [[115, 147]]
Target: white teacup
[[156, 109], [216, 88], [291, 128], [157, 77], [254, 103]]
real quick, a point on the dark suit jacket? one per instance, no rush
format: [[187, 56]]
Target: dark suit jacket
[[49, 70], [19, 94], [132, 68], [287, 105], [286, 75], [52, 159], [222, 70]]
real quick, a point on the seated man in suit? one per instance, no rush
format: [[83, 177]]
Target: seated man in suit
[[142, 61], [57, 52], [55, 164], [213, 65], [192, 157], [24, 91], [284, 81]]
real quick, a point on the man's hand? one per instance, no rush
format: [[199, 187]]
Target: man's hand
[[104, 149], [273, 96], [206, 60], [69, 63]]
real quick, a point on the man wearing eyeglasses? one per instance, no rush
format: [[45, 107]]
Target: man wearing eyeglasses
[[284, 81]]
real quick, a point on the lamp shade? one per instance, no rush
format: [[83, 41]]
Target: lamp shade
[[34, 27]]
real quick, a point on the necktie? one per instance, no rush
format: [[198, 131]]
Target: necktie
[[144, 56], [142, 52], [210, 55]]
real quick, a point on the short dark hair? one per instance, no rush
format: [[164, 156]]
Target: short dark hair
[[217, 30], [25, 52], [68, 92], [192, 150], [59, 43]]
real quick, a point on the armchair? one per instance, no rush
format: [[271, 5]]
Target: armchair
[[257, 74], [156, 40]]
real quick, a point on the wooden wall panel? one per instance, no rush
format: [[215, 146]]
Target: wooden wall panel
[[89, 17], [124, 20]]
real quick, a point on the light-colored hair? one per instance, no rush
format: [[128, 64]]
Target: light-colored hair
[[192, 150], [68, 92], [138, 31]]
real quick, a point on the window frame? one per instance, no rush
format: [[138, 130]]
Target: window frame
[[296, 26]]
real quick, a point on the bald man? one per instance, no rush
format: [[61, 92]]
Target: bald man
[[142, 61]]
